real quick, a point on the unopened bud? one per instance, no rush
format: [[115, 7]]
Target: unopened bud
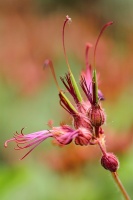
[[97, 116], [83, 138], [80, 121], [110, 162]]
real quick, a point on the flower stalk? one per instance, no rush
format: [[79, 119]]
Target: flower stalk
[[111, 163], [120, 185]]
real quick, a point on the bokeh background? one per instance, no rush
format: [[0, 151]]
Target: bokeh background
[[30, 32]]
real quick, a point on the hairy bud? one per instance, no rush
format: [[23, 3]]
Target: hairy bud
[[110, 162], [84, 137], [82, 121], [97, 116]]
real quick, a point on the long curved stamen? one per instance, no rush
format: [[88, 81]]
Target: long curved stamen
[[68, 19], [88, 46], [79, 97], [102, 30], [50, 64], [6, 142]]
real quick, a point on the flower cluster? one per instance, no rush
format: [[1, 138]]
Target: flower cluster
[[87, 114]]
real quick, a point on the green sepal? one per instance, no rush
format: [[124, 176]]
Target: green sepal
[[69, 103], [95, 87], [75, 87]]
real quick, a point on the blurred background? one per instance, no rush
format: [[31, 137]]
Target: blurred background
[[30, 32]]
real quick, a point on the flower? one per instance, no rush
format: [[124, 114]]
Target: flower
[[30, 140], [62, 135], [87, 115]]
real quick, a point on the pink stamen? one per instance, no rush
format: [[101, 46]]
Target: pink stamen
[[6, 143], [88, 46], [68, 19], [36, 142], [28, 145], [102, 30], [50, 64], [30, 150]]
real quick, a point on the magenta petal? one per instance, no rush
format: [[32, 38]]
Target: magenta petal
[[29, 140], [67, 137]]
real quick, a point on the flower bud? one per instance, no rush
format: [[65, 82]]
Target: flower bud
[[82, 121], [110, 162], [97, 116], [83, 138]]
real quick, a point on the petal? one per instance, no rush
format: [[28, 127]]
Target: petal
[[29, 140], [66, 138]]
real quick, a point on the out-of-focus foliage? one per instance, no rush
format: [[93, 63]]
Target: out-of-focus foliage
[[30, 32]]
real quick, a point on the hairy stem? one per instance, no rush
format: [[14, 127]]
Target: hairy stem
[[120, 185]]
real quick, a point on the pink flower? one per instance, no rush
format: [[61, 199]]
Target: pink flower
[[87, 115], [62, 135]]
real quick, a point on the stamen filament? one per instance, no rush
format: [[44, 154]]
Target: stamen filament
[[31, 150], [68, 19], [88, 46], [102, 30], [50, 64]]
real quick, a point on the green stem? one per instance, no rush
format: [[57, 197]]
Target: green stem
[[120, 185]]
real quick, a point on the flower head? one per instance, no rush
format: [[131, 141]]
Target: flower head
[[87, 115]]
